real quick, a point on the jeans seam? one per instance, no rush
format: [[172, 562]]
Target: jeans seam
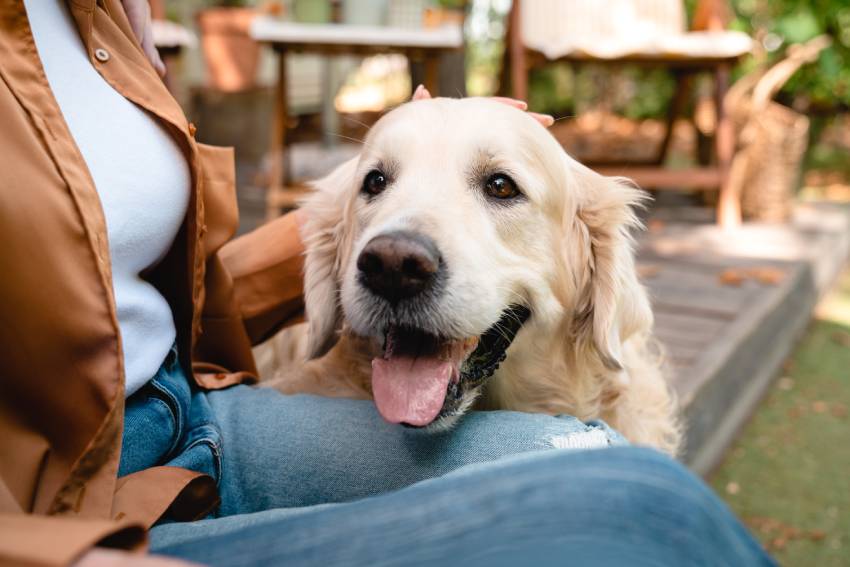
[[214, 448], [174, 406]]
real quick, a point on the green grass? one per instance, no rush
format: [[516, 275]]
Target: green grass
[[788, 475]]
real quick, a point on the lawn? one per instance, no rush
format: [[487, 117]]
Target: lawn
[[788, 475]]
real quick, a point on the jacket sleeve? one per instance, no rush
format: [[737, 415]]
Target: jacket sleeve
[[267, 270], [47, 541]]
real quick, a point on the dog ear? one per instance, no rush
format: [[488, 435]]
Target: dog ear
[[326, 233], [611, 305]]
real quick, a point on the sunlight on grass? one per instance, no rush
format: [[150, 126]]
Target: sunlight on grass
[[788, 476], [836, 306]]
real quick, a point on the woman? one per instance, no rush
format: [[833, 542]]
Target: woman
[[126, 333]]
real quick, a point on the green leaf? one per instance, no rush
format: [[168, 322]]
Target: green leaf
[[799, 26]]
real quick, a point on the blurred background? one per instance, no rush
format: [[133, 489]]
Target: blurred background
[[734, 114]]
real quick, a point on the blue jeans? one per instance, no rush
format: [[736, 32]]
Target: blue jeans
[[306, 480]]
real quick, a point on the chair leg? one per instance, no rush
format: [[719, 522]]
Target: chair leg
[[516, 53], [729, 202]]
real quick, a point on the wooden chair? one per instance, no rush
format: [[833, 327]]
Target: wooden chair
[[648, 33]]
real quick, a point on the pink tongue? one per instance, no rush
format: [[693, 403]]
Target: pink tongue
[[410, 390]]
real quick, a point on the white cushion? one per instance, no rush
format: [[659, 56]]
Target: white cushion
[[621, 28]]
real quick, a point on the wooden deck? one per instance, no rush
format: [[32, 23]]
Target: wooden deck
[[729, 308]]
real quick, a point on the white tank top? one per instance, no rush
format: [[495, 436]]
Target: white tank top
[[141, 177]]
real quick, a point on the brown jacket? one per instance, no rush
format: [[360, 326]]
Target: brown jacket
[[61, 375]]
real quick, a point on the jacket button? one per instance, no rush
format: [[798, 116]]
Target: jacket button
[[101, 55]]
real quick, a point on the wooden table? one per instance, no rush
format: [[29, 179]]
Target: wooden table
[[425, 45]]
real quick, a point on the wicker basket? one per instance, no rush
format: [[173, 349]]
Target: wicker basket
[[772, 138], [777, 138]]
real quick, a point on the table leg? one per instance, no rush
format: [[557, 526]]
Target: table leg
[[680, 97], [277, 144], [729, 202]]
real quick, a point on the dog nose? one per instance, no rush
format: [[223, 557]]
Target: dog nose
[[398, 265]]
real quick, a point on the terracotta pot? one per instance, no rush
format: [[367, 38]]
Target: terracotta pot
[[231, 56], [436, 17]]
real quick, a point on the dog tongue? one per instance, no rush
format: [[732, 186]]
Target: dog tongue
[[410, 390]]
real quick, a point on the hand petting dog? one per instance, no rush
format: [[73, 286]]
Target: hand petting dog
[[421, 93]]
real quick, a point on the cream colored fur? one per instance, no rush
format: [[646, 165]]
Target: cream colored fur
[[565, 251]]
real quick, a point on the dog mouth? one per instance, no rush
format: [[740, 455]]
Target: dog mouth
[[421, 378]]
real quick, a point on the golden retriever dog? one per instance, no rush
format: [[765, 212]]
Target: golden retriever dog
[[463, 260]]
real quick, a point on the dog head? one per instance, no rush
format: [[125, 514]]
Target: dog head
[[460, 221]]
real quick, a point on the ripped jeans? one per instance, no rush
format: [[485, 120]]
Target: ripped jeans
[[306, 480]]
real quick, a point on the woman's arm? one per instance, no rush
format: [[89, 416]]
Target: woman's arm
[[267, 270]]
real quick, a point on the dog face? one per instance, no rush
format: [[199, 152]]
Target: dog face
[[459, 222]]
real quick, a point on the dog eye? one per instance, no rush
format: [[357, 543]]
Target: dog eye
[[500, 186], [375, 182]]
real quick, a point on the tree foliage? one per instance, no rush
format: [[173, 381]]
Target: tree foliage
[[776, 24]]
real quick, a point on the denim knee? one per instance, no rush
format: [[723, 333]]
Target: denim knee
[[641, 495], [601, 507]]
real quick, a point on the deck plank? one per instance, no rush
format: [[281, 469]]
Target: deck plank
[[724, 343]]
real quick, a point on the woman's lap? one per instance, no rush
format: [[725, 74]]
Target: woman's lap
[[267, 450], [312, 480], [293, 451], [617, 506]]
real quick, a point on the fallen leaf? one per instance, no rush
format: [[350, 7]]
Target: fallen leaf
[[763, 524], [767, 275], [732, 277], [647, 271], [778, 533], [785, 383], [820, 406], [655, 226], [733, 488], [839, 410], [841, 338], [790, 532]]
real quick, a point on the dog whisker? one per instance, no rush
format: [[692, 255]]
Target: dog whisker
[[344, 137]]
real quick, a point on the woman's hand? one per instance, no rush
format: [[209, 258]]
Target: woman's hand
[[139, 14], [422, 93]]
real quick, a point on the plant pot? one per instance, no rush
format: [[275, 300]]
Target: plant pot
[[230, 54], [436, 17]]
